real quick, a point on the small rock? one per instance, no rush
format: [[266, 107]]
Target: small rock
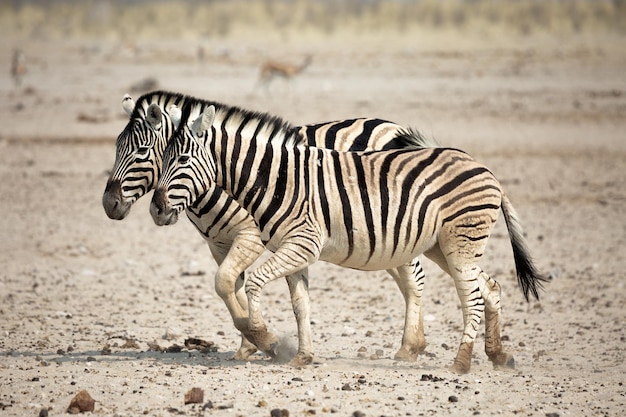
[[552, 415], [154, 346], [348, 331], [346, 387], [174, 349], [194, 396], [358, 414], [208, 405], [453, 399], [277, 412], [261, 403], [172, 333], [43, 412], [81, 403], [203, 346], [130, 344]]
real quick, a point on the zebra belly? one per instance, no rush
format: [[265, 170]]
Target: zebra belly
[[382, 257]]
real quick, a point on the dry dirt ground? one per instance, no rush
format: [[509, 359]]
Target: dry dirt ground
[[85, 301]]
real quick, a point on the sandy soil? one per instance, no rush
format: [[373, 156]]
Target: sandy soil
[[85, 300]]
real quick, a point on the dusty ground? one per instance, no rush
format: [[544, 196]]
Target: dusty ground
[[84, 299]]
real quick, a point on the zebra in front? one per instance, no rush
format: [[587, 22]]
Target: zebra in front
[[368, 210], [231, 234]]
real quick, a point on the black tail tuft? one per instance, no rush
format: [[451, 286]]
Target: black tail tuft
[[528, 276]]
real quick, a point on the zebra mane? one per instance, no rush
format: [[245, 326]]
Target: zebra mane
[[283, 133], [162, 98], [413, 138]]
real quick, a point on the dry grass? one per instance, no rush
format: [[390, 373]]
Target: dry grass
[[292, 19]]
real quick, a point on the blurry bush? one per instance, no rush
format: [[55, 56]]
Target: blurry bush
[[139, 19]]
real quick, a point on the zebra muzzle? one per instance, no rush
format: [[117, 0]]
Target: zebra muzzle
[[161, 210], [114, 205]]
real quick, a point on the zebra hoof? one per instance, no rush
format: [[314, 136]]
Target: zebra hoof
[[301, 360], [503, 360], [267, 343], [459, 368], [407, 355]]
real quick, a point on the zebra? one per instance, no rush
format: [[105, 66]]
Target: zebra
[[231, 234], [363, 210]]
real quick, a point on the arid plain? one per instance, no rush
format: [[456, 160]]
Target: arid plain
[[85, 300]]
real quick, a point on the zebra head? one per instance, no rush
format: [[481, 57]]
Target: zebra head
[[188, 169], [139, 150]]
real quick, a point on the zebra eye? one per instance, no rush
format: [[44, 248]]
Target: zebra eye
[[143, 150], [183, 159]]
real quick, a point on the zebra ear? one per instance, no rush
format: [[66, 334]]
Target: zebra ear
[[154, 116], [203, 122], [128, 104], [175, 115]]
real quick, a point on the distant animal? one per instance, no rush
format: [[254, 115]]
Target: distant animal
[[273, 69], [18, 66]]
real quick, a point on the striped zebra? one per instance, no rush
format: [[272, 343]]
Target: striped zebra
[[364, 210], [232, 236]]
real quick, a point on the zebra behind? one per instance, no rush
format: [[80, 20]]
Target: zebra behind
[[368, 211], [231, 234]]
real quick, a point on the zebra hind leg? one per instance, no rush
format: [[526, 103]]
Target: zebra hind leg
[[299, 291], [473, 306], [490, 290], [410, 280]]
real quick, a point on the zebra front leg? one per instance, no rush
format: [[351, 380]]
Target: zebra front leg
[[229, 284], [490, 290], [299, 290], [287, 260], [410, 280]]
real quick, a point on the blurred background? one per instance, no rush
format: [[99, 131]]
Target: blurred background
[[426, 63], [127, 20]]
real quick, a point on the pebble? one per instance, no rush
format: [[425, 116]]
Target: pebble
[[358, 414], [453, 399], [277, 412], [346, 387], [348, 331], [81, 403], [43, 412], [194, 396], [173, 333]]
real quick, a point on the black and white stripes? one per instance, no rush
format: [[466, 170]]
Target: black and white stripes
[[231, 233], [367, 210]]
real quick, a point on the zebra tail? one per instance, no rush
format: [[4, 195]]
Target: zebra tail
[[528, 277]]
